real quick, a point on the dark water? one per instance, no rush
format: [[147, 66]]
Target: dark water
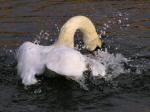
[[127, 26]]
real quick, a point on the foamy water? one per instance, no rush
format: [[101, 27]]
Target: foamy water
[[108, 64]]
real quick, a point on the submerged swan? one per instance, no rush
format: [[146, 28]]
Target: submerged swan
[[61, 57]]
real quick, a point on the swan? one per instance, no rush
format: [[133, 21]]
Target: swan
[[61, 57]]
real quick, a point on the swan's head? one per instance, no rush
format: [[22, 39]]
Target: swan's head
[[94, 44]]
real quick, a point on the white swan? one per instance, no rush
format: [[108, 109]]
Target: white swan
[[59, 57]]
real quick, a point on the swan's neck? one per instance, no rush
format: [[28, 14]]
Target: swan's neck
[[90, 36]]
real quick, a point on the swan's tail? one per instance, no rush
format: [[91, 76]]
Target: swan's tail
[[84, 24]]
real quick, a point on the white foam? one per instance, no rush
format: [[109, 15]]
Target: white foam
[[106, 64]]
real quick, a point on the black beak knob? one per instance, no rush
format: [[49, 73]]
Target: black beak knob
[[100, 48]]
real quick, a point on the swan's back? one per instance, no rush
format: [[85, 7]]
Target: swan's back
[[66, 61]]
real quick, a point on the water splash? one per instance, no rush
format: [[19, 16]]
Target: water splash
[[42, 36], [108, 65], [116, 20]]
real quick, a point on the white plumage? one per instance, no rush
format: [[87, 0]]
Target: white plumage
[[59, 57]]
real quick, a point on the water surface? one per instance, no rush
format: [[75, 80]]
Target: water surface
[[125, 26]]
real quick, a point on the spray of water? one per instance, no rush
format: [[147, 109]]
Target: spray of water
[[110, 64]]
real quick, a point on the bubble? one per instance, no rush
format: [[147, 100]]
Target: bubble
[[37, 91], [119, 21], [42, 36]]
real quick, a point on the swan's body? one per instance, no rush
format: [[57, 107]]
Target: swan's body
[[32, 60], [66, 61], [59, 57]]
